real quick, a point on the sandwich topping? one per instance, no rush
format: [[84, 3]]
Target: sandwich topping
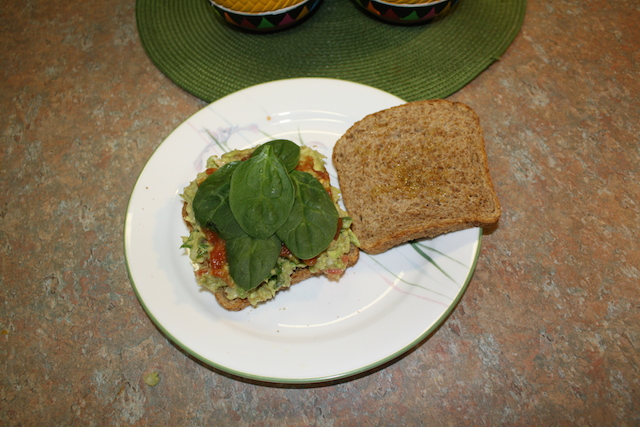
[[257, 216]]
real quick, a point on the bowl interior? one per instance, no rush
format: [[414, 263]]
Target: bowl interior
[[257, 7]]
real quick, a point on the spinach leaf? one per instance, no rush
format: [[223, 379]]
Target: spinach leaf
[[287, 151], [313, 221], [261, 194], [211, 203], [251, 260]]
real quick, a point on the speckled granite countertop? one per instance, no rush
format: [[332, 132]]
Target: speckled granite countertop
[[548, 332]]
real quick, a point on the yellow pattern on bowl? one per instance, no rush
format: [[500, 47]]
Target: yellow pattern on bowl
[[256, 6]]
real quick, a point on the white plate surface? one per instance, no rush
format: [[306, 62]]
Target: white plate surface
[[317, 330]]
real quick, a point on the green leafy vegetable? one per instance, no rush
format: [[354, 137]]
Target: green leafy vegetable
[[313, 220], [287, 151], [261, 194], [251, 260], [257, 204], [211, 203]]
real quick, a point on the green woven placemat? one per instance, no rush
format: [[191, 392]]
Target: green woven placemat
[[191, 44]]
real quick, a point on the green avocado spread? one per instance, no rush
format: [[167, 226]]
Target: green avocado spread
[[202, 243]]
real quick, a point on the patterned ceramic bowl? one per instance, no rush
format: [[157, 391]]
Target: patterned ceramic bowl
[[264, 15], [408, 11]]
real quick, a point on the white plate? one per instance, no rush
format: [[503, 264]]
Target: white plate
[[317, 330]]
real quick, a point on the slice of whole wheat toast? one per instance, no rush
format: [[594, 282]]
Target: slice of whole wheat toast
[[415, 171]]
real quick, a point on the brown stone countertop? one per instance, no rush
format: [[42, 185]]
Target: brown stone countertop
[[547, 333]]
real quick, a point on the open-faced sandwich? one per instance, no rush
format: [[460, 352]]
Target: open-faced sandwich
[[263, 219]]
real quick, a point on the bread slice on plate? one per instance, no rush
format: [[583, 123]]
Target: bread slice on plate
[[415, 171]]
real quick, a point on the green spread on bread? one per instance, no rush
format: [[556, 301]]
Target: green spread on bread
[[262, 219]]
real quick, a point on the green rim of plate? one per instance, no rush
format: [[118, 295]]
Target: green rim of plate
[[201, 53]]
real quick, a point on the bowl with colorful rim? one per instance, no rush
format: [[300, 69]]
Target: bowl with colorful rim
[[408, 11], [264, 15]]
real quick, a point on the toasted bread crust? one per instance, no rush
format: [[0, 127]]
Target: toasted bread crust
[[415, 171]]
